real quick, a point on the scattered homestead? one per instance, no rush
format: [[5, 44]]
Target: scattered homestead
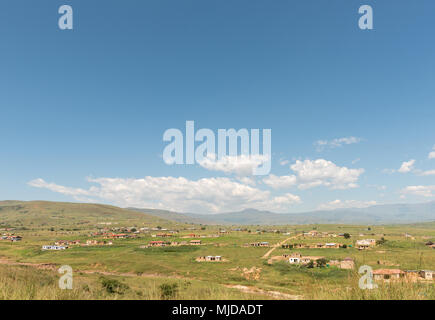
[[257, 244], [387, 275], [346, 263], [317, 234], [365, 244], [297, 258], [209, 259], [313, 246], [11, 237], [54, 247]]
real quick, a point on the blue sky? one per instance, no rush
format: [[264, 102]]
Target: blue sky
[[87, 108]]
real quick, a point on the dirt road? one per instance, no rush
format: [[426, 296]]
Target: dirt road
[[279, 244]]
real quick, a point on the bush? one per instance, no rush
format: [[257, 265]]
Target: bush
[[310, 264], [168, 291], [321, 263], [113, 286]]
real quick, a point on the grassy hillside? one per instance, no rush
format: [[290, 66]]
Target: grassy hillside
[[28, 272], [33, 214]]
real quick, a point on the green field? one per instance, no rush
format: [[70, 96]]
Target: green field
[[27, 272]]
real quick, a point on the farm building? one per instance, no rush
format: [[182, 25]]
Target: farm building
[[195, 242]]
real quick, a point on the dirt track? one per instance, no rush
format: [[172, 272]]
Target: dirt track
[[267, 254]]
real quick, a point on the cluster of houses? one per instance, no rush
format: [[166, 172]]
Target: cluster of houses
[[172, 243], [257, 244], [65, 244], [318, 234], [195, 235], [313, 245], [49, 247], [11, 237], [111, 235], [397, 274], [297, 258]]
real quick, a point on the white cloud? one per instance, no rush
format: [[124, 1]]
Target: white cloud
[[320, 172], [178, 194], [338, 204], [314, 173], [280, 182], [407, 166], [284, 162], [427, 173], [432, 154], [423, 191], [356, 160], [241, 165], [335, 143]]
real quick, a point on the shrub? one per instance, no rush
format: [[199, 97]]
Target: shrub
[[168, 291], [113, 286], [321, 263]]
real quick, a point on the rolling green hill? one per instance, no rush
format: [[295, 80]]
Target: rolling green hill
[[43, 213]]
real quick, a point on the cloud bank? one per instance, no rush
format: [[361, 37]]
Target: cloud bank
[[315, 173], [177, 194]]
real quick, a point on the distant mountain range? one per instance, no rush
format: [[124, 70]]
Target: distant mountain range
[[374, 215], [47, 213]]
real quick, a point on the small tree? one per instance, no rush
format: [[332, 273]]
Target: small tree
[[310, 264], [346, 235]]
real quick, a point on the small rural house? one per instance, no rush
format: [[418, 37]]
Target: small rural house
[[365, 244], [15, 238], [156, 244], [347, 263], [427, 274], [209, 259], [388, 274], [195, 242], [260, 244], [53, 247]]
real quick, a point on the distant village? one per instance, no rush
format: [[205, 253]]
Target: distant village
[[108, 236]]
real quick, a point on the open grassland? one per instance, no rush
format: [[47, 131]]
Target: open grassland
[[127, 270]]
